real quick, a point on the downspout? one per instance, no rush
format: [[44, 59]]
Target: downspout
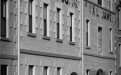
[[82, 38], [18, 37]]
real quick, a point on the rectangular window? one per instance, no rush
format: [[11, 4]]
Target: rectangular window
[[87, 32], [72, 39], [3, 18], [87, 71], [111, 73], [4, 70], [58, 71], [99, 2], [58, 23], [45, 13], [100, 40], [111, 38], [31, 70], [30, 16], [45, 70]]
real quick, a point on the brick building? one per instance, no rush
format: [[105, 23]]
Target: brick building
[[99, 37]]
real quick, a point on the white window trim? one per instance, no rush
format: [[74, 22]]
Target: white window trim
[[60, 26], [58, 5], [7, 19], [103, 3], [88, 31], [111, 33], [48, 20], [73, 27], [33, 17]]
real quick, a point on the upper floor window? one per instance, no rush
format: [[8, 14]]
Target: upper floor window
[[4, 18], [99, 2], [46, 19], [111, 40], [100, 40], [58, 23], [87, 32], [72, 29], [30, 16], [87, 71]]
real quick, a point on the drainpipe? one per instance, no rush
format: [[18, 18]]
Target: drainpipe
[[82, 38], [18, 37]]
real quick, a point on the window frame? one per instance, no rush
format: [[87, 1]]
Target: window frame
[[88, 33], [6, 67], [6, 18], [46, 22], [101, 39], [72, 26]]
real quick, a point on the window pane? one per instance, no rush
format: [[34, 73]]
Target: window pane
[[3, 69]]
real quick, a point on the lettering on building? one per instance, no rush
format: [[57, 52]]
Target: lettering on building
[[73, 3], [94, 10]]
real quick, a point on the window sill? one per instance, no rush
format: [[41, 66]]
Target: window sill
[[111, 52], [88, 47], [72, 43], [5, 39], [59, 40], [46, 38], [31, 34]]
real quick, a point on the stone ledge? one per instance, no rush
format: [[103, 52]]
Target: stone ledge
[[39, 53], [5, 56]]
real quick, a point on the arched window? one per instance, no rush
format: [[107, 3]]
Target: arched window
[[100, 72], [73, 73]]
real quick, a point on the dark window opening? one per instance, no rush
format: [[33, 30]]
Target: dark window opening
[[58, 23], [30, 15], [3, 69], [58, 71], [87, 32], [45, 19], [3, 18], [31, 69], [71, 33], [100, 2], [45, 70]]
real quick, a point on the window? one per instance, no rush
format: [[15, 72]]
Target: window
[[46, 19], [111, 37], [30, 16], [111, 73], [58, 71], [100, 40], [87, 71], [31, 70], [72, 39], [87, 33], [4, 70], [45, 70], [99, 2], [58, 23], [4, 8]]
